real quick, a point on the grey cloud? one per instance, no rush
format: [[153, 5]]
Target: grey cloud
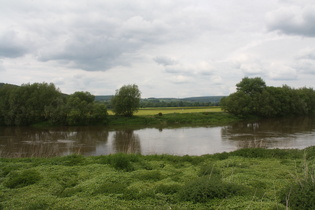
[[92, 54], [305, 62], [11, 46], [100, 35], [165, 61], [293, 21]]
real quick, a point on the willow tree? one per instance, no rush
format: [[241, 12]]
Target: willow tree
[[126, 100]]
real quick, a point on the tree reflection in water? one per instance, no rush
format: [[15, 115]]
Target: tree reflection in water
[[126, 141]]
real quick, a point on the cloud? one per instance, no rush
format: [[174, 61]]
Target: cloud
[[293, 20], [202, 68], [280, 71], [165, 61], [12, 44], [305, 62], [99, 35], [250, 65]]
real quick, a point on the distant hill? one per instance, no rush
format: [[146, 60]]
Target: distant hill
[[103, 98], [190, 99]]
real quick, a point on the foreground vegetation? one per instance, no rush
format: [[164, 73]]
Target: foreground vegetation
[[244, 179]]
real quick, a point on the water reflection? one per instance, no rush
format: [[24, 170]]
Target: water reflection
[[26, 141], [284, 133], [272, 133], [126, 141]]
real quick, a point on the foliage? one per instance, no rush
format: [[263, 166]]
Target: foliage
[[22, 179], [300, 193], [249, 179], [253, 97], [126, 100], [205, 188], [38, 102]]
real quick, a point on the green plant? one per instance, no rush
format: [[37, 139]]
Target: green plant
[[168, 189], [205, 188], [300, 194], [121, 161], [22, 179], [208, 169]]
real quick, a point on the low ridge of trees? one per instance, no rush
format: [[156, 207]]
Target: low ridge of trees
[[253, 97], [38, 102]]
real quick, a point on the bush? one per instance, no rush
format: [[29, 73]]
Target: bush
[[22, 179], [168, 189], [149, 175], [209, 169], [300, 195], [205, 188], [121, 161]]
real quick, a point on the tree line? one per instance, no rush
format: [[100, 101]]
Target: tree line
[[254, 97], [38, 102]]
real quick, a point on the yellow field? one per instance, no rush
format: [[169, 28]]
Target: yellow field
[[169, 110]]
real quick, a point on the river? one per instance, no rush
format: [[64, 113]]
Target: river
[[90, 141]]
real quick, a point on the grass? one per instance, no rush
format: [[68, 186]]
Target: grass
[[178, 116], [172, 110], [244, 179]]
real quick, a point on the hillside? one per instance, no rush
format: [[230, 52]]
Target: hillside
[[200, 99]]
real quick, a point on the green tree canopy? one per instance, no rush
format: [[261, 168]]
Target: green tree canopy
[[253, 97], [126, 100], [251, 85]]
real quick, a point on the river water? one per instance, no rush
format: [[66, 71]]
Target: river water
[[90, 141]]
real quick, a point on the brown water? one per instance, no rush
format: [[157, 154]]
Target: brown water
[[285, 133]]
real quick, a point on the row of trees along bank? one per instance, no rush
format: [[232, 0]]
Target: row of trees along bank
[[41, 102], [253, 97], [38, 102]]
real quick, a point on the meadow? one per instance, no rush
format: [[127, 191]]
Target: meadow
[[171, 110], [244, 179], [170, 117]]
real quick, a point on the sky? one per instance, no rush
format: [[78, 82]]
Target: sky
[[178, 48]]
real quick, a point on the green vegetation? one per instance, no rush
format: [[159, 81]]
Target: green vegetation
[[173, 119], [126, 100], [244, 179], [253, 97], [38, 102]]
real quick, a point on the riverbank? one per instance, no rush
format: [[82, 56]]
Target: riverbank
[[243, 179], [173, 119]]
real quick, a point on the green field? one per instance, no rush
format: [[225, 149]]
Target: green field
[[244, 179], [171, 110]]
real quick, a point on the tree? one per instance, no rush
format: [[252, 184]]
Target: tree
[[253, 97], [251, 85], [126, 100]]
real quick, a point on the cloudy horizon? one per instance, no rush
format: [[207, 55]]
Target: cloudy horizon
[[168, 48]]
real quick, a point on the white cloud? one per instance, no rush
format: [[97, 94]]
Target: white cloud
[[279, 71], [293, 20], [169, 48]]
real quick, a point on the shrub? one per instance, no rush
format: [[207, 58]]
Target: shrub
[[300, 195], [121, 161], [205, 188], [168, 189], [22, 179], [149, 175], [208, 169]]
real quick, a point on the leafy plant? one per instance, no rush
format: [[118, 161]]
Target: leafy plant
[[121, 161], [205, 188], [300, 194], [22, 179]]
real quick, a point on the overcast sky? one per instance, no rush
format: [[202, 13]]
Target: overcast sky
[[176, 48]]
